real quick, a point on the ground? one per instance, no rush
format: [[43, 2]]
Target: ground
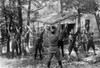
[[28, 61]]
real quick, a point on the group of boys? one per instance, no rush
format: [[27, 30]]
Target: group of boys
[[56, 42]]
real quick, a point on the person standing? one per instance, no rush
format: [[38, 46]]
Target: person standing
[[61, 40], [90, 43], [72, 45], [38, 44], [14, 44], [84, 40], [53, 48]]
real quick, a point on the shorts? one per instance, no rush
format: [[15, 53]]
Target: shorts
[[57, 56]]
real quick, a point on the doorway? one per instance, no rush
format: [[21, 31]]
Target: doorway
[[70, 27]]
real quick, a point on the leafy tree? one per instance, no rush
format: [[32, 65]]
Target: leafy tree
[[82, 6], [6, 14]]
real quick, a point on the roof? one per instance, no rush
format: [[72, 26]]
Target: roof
[[57, 17]]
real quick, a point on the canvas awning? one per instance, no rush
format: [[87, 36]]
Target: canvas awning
[[54, 19]]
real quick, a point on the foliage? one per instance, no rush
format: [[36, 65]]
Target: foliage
[[85, 6]]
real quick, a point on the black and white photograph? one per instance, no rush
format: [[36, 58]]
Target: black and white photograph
[[49, 33]]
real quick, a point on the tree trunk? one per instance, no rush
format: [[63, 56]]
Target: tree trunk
[[20, 15], [7, 37], [79, 18], [28, 18], [28, 14], [20, 23], [60, 6], [98, 22]]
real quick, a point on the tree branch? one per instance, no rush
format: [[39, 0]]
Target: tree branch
[[38, 9]]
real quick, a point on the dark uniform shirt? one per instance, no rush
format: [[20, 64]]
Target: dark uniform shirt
[[61, 35], [53, 38], [72, 38], [39, 40]]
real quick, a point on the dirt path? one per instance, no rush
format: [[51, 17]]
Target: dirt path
[[15, 63], [29, 62]]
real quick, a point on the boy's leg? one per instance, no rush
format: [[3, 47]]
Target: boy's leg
[[88, 47], [24, 49], [59, 45], [62, 48], [70, 49], [57, 55], [76, 51], [49, 59], [35, 53], [16, 48], [93, 47], [13, 48], [84, 47], [40, 50]]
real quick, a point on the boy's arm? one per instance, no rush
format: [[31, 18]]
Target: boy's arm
[[29, 29], [9, 31], [26, 33]]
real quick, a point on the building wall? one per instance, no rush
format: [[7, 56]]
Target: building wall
[[93, 24]]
